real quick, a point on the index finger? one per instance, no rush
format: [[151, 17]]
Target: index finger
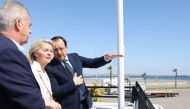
[[117, 55]]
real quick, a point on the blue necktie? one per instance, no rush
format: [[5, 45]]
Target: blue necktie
[[68, 67], [82, 86]]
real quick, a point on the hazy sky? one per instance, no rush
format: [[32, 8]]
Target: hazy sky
[[157, 32]]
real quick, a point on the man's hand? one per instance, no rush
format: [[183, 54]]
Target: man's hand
[[77, 79], [112, 56]]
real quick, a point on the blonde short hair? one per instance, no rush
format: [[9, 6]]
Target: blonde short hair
[[35, 47]]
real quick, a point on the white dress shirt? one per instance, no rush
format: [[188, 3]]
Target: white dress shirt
[[18, 45], [43, 81], [66, 58]]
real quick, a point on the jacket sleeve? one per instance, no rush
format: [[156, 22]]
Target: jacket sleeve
[[17, 80], [93, 62]]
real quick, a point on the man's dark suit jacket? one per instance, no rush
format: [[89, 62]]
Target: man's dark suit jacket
[[64, 89], [18, 87]]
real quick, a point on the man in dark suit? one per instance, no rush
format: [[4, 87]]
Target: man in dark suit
[[65, 73], [18, 87]]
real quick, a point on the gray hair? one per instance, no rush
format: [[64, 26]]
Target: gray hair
[[35, 47], [9, 12]]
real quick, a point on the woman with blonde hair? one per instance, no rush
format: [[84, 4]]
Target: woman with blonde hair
[[40, 54]]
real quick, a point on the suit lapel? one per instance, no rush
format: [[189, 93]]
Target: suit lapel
[[73, 63], [64, 70], [45, 83], [43, 78]]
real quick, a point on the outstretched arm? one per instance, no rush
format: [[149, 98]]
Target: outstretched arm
[[109, 57]]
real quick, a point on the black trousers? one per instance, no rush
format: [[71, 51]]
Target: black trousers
[[83, 105]]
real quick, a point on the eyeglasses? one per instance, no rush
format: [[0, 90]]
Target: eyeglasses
[[30, 25]]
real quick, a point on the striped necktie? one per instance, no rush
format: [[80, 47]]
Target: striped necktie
[[82, 86], [68, 67]]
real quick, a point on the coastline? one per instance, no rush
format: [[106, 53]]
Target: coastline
[[178, 102], [150, 83]]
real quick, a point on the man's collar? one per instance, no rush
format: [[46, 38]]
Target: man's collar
[[18, 45], [66, 58]]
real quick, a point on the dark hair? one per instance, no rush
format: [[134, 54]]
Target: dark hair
[[55, 38]]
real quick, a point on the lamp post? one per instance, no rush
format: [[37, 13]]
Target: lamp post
[[175, 70], [110, 68], [144, 76]]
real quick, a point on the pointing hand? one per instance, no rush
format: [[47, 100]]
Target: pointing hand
[[112, 56]]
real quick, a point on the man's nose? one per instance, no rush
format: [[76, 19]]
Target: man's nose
[[59, 51]]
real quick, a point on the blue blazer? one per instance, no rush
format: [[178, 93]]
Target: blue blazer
[[18, 87], [64, 89]]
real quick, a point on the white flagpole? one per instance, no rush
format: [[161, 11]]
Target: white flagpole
[[121, 94]]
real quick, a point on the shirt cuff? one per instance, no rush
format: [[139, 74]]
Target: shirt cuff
[[106, 58]]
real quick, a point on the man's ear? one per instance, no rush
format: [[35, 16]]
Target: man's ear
[[18, 24]]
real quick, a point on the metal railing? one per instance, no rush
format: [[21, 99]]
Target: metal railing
[[109, 94]]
